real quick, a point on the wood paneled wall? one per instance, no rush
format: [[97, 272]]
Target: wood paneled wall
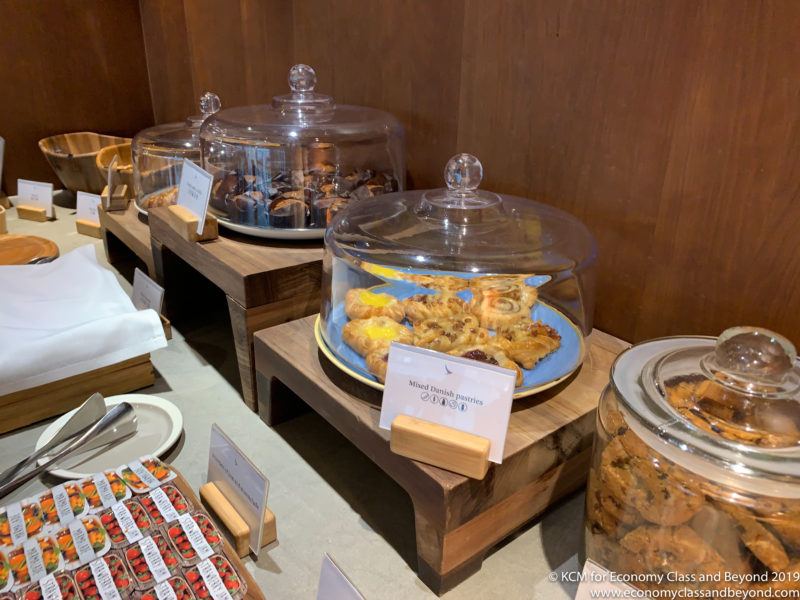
[[670, 127], [68, 65]]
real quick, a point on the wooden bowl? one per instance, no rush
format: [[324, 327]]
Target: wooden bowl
[[73, 157], [123, 168]]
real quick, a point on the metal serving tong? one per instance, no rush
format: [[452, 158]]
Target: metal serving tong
[[88, 433]]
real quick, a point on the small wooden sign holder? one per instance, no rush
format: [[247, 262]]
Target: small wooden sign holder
[[440, 446], [234, 523], [32, 213], [89, 228], [4, 201], [3, 228], [182, 220], [117, 200]]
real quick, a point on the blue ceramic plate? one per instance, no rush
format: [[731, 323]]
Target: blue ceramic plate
[[548, 372]]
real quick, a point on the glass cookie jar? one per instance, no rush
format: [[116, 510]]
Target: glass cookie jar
[[282, 170], [158, 154], [452, 269], [695, 476]]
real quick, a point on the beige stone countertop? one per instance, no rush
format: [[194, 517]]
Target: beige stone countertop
[[326, 495]]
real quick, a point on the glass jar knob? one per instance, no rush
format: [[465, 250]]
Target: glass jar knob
[[209, 104], [463, 174], [755, 360], [302, 78]]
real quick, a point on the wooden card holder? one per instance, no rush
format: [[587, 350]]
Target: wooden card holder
[[234, 523], [182, 220], [4, 201], [32, 213], [3, 228], [440, 446], [166, 325], [89, 228], [118, 200]]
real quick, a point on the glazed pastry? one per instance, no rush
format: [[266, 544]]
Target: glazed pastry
[[496, 311], [287, 212], [443, 334], [377, 362], [527, 341], [489, 354], [360, 303], [443, 283], [433, 306], [485, 280], [506, 289], [368, 335], [164, 198]]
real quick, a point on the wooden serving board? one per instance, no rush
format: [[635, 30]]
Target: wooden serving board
[[18, 249], [253, 591]]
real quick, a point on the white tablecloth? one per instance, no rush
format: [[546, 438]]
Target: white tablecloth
[[67, 317]]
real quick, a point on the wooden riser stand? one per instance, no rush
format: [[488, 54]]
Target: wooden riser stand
[[182, 220], [234, 523]]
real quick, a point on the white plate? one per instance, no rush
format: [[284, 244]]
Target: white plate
[[159, 425]]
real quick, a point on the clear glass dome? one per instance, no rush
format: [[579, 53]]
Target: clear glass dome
[[158, 154], [285, 169], [521, 271], [696, 463]]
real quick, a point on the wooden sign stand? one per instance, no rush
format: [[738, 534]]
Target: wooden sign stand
[[4, 201], [182, 220], [89, 228], [32, 213], [440, 446], [234, 523], [117, 200], [3, 228]]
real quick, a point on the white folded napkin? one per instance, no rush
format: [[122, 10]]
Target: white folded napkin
[[67, 317]]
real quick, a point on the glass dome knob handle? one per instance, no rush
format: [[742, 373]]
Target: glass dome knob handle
[[463, 173], [302, 78], [209, 103], [754, 354]]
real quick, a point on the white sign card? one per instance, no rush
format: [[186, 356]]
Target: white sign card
[[195, 190], [240, 481], [449, 390], [127, 523], [81, 540], [16, 523], [146, 292], [35, 193], [334, 584], [87, 207], [104, 489], [34, 558]]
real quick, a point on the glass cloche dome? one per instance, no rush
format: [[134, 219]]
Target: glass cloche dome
[[283, 170], [158, 154], [498, 278]]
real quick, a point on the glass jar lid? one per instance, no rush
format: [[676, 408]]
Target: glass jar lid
[[302, 116], [725, 408], [178, 137], [464, 229]]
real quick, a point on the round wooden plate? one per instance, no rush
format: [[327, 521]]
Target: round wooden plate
[[21, 249]]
